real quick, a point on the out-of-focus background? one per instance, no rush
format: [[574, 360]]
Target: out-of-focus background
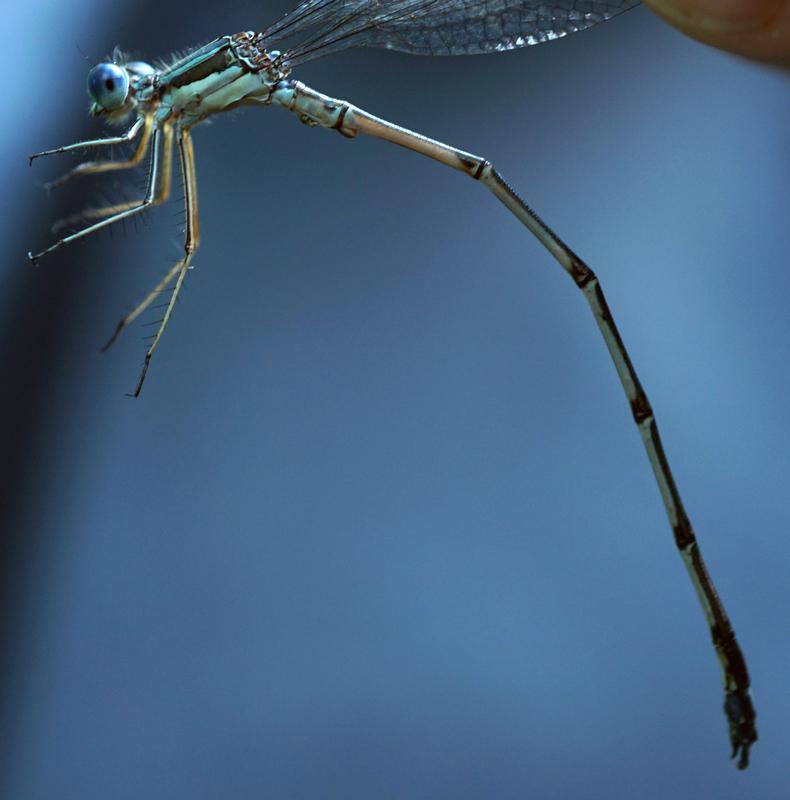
[[380, 524]]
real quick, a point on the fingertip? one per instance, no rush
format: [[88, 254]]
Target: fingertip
[[758, 29]]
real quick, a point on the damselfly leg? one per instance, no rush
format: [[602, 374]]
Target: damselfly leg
[[180, 269], [162, 194], [93, 167], [106, 142], [136, 208], [158, 189]]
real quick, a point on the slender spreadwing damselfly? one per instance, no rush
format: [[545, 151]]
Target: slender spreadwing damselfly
[[244, 69]]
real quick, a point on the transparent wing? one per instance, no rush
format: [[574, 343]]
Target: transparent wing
[[434, 27]]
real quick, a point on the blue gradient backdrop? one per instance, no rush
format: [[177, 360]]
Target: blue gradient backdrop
[[380, 524]]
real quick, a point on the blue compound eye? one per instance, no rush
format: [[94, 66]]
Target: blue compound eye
[[108, 85]]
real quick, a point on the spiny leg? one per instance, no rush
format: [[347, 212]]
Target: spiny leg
[[162, 194], [191, 242], [124, 137], [92, 167], [150, 193], [350, 120], [149, 298]]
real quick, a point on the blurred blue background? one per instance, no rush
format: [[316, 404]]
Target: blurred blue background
[[380, 524]]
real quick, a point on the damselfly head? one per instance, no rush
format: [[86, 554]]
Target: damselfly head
[[113, 87], [108, 86]]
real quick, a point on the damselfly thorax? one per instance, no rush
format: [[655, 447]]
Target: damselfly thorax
[[227, 73]]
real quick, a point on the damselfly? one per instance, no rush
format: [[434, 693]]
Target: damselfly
[[243, 69]]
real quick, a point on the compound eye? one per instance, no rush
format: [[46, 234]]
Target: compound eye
[[108, 85]]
